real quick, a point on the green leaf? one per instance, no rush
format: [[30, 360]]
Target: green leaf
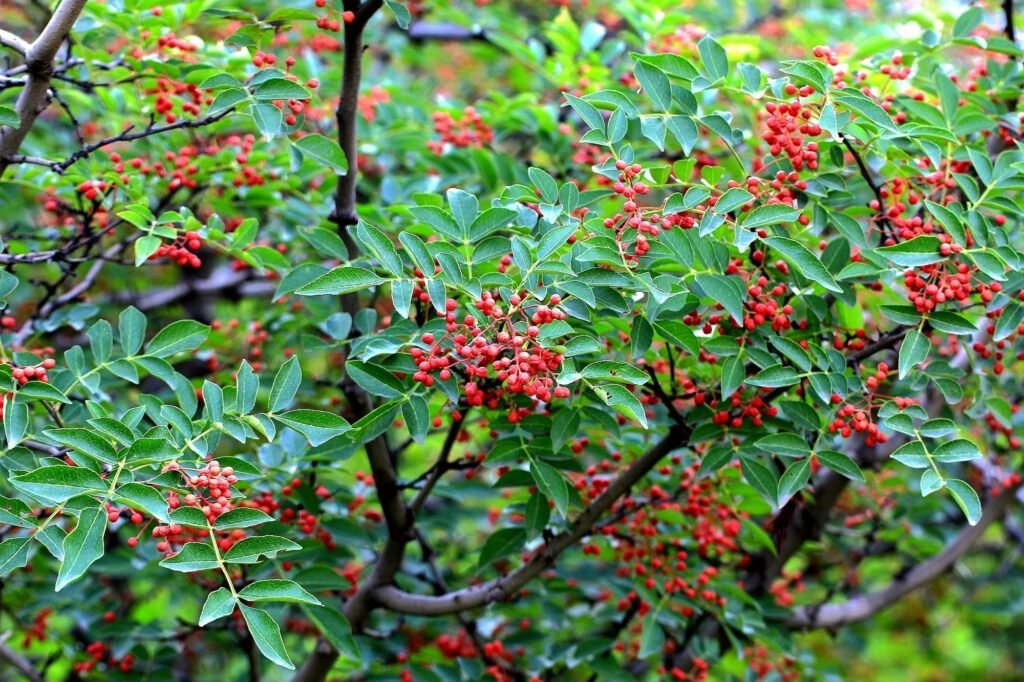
[[610, 370], [678, 333], [685, 131], [381, 247], [713, 57], [13, 554], [150, 450], [219, 603], [775, 376], [42, 391], [760, 477], [58, 483], [249, 550], [841, 464], [16, 421], [465, 207], [538, 513], [489, 221], [806, 263], [438, 218], [587, 111], [341, 280], [913, 351], [731, 200], [247, 387], [959, 450], [543, 181], [374, 379], [500, 544], [241, 517], [949, 220], [323, 150], [145, 498], [784, 444], [655, 83], [193, 556], [286, 384], [552, 484], [794, 479], [85, 441], [724, 290], [318, 427], [733, 374], [83, 546], [267, 117], [854, 99], [267, 635], [913, 455], [335, 629], [146, 246], [652, 637], [183, 335], [279, 88], [400, 12], [969, 20], [769, 214], [921, 250], [131, 329], [277, 590], [620, 397], [968, 500]]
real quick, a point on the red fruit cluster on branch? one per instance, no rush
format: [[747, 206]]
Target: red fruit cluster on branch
[[633, 217], [469, 130], [506, 348], [182, 250], [788, 124]]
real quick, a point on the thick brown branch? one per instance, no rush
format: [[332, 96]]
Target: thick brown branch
[[13, 42], [18, 662], [504, 587], [866, 605], [34, 96]]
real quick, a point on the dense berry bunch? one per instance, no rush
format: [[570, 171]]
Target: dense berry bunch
[[469, 130], [506, 346], [182, 250]]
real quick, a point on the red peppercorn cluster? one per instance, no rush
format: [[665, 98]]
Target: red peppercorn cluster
[[632, 217], [370, 100], [683, 40], [330, 20], [169, 94], [39, 630], [23, 375], [787, 125], [93, 189], [98, 654], [826, 54], [469, 130], [114, 514], [929, 286], [507, 348], [852, 419], [181, 250], [766, 664]]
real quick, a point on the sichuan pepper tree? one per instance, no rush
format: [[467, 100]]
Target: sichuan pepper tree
[[505, 340]]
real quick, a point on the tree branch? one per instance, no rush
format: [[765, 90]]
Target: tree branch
[[866, 605], [474, 596], [13, 42], [346, 115], [127, 136], [39, 56], [18, 662]]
